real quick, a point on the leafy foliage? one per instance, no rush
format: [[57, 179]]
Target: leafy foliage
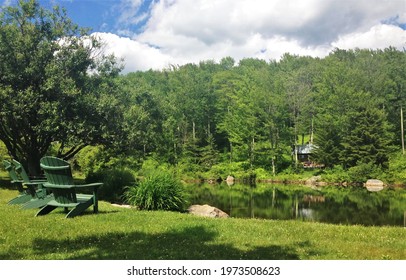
[[53, 85], [160, 191], [115, 181], [363, 171]]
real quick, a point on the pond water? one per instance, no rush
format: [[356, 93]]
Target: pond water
[[337, 205]]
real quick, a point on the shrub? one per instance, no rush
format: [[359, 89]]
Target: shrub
[[396, 172], [336, 174], [159, 191], [151, 166], [261, 173], [89, 159], [115, 181], [363, 171], [3, 154]]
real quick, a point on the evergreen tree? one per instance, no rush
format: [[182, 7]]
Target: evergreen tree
[[367, 137], [209, 153], [327, 142]]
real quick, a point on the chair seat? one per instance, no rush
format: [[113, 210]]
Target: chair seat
[[81, 198]]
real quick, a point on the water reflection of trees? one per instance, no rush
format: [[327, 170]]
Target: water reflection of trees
[[337, 205]]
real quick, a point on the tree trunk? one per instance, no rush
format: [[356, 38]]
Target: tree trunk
[[231, 152], [402, 130], [194, 130], [33, 163], [312, 131], [252, 152], [273, 166]]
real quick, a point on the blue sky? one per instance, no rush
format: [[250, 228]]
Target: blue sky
[[156, 33], [104, 15]]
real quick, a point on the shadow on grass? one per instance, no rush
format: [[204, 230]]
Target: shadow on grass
[[193, 243], [6, 184]]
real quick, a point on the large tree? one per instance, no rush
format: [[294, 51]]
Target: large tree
[[54, 84], [366, 137]]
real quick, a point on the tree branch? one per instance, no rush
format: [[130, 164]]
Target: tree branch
[[71, 152]]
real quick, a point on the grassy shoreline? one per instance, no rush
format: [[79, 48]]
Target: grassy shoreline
[[119, 233]]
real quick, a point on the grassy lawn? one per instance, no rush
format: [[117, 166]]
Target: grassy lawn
[[119, 233]]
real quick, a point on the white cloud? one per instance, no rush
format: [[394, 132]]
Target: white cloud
[[129, 12], [377, 37], [183, 31], [136, 55]]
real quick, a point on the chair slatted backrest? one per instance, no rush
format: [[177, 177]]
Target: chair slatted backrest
[[10, 168], [59, 179], [21, 171], [11, 171]]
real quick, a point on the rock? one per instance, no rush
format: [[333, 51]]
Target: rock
[[374, 185], [230, 180], [313, 181], [207, 211], [121, 205]]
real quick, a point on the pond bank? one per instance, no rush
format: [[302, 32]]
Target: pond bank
[[312, 181]]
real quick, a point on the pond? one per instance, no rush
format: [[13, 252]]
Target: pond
[[337, 205]]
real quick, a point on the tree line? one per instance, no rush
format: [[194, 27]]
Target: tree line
[[59, 94], [253, 112]]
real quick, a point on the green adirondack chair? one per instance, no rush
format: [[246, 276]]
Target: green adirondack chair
[[31, 193], [39, 195], [23, 195], [60, 181]]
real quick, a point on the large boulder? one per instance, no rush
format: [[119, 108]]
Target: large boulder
[[207, 211]]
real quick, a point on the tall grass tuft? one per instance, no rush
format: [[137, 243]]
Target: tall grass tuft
[[158, 191]]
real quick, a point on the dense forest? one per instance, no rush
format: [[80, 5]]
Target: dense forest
[[60, 95], [250, 115]]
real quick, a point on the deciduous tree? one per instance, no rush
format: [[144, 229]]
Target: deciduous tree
[[54, 84]]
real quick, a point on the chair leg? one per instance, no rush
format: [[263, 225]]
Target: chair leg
[[95, 204], [79, 209], [45, 210]]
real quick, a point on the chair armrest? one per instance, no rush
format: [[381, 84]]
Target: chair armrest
[[17, 181], [36, 181], [54, 167], [95, 185], [48, 185], [90, 185]]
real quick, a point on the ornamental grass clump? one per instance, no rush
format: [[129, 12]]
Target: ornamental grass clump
[[160, 191]]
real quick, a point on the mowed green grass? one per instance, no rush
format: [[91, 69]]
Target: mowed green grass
[[120, 233]]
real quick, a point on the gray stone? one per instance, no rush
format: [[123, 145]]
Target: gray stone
[[374, 185], [207, 211], [121, 205], [313, 181], [230, 180]]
